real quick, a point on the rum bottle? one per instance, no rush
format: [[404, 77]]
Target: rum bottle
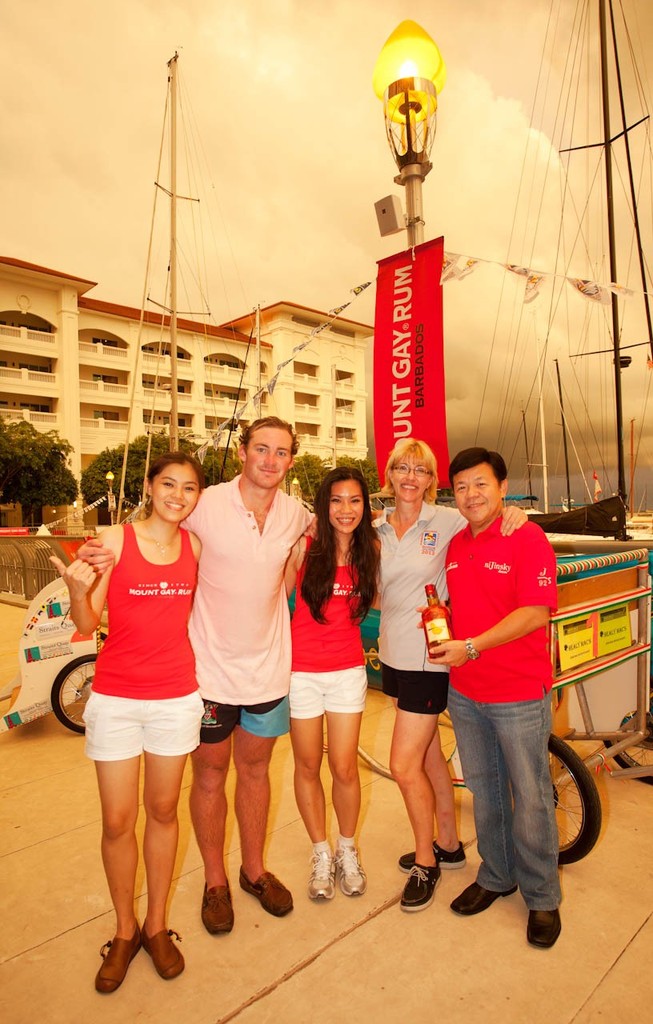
[[436, 620]]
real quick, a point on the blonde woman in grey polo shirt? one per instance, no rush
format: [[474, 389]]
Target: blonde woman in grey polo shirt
[[414, 539]]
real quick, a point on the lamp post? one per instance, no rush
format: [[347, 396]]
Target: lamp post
[[408, 76], [295, 489], [111, 498]]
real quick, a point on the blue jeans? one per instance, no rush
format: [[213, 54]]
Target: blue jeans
[[503, 750]]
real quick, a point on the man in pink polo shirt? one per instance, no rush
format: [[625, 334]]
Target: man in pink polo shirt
[[502, 590], [240, 632]]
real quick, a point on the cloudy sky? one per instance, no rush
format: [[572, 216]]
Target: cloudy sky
[[280, 114]]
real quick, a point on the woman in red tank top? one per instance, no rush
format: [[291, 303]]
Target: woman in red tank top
[[336, 584], [144, 700]]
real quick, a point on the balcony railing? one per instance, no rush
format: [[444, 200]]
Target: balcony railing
[[23, 376], [102, 351], [152, 358], [102, 424], [215, 372], [103, 388], [47, 420], [25, 334]]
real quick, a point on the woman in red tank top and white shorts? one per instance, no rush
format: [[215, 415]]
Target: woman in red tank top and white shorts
[[336, 576], [144, 700]]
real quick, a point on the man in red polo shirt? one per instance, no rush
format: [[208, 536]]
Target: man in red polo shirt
[[502, 590]]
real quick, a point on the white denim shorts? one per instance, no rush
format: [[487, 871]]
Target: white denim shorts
[[118, 728], [313, 693]]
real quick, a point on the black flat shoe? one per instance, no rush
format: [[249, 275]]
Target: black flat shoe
[[544, 927], [475, 899]]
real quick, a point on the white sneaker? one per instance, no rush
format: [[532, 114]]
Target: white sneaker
[[321, 884], [353, 880]]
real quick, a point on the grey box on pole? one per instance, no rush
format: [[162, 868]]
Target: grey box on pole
[[390, 215]]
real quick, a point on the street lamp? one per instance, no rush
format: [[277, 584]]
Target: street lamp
[[409, 75], [295, 489], [111, 498]]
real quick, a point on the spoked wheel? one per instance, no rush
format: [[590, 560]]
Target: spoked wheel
[[70, 691], [640, 754], [577, 802]]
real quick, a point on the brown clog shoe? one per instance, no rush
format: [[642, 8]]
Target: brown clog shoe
[[217, 910], [117, 956], [165, 956], [269, 891]]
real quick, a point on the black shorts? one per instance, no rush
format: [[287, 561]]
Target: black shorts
[[269, 719], [420, 693]]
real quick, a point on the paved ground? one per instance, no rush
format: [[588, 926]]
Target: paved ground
[[350, 960]]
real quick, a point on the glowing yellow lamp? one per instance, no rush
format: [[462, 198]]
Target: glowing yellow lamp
[[408, 53]]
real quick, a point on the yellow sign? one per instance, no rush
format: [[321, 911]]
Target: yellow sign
[[576, 641], [614, 630]]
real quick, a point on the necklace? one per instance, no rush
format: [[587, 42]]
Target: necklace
[[162, 548]]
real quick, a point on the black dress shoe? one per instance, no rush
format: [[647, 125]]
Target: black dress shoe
[[543, 927], [475, 899]]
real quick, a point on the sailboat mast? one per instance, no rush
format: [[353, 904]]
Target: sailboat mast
[[633, 197], [258, 360], [632, 466], [545, 465], [174, 414], [621, 482], [564, 436], [528, 460]]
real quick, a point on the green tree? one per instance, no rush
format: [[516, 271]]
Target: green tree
[[34, 469], [218, 468], [94, 477], [367, 468]]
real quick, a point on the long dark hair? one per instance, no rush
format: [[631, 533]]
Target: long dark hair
[[320, 565]]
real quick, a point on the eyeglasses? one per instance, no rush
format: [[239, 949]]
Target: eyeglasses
[[405, 470]]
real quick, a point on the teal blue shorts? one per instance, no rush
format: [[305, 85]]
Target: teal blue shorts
[[268, 720]]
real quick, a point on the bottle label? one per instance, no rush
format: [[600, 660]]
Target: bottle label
[[437, 630]]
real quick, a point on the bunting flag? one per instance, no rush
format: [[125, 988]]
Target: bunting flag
[[591, 290], [452, 271], [618, 289], [449, 267], [532, 288], [456, 266], [409, 399], [269, 386], [532, 283], [598, 490]]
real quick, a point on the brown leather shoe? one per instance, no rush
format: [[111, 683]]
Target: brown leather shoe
[[217, 911], [165, 956], [270, 892], [116, 960]]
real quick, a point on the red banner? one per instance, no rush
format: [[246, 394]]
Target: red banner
[[408, 354]]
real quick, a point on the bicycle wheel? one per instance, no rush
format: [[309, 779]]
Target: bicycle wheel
[[70, 691], [577, 802], [641, 753]]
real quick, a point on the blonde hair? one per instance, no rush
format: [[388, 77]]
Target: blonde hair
[[410, 447]]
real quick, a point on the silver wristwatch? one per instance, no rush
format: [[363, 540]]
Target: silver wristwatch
[[472, 653]]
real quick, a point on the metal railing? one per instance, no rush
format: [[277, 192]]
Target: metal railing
[[25, 566]]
